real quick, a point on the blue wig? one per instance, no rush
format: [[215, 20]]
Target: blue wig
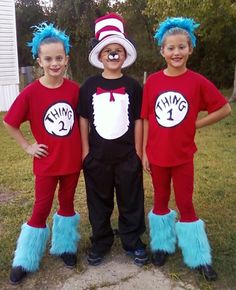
[[187, 24], [44, 31]]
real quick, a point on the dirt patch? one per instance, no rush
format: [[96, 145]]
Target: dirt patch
[[116, 273], [50, 276], [6, 195]]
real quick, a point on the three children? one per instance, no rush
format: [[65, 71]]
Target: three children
[[114, 141]]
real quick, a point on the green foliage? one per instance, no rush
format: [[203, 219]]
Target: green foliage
[[77, 17], [139, 29], [214, 56], [28, 14]]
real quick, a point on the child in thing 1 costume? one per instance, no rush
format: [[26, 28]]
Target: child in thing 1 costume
[[49, 105], [111, 133], [172, 100]]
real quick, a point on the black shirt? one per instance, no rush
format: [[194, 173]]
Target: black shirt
[[111, 107]]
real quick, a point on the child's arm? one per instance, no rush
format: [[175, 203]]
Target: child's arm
[[213, 117], [146, 165], [138, 136], [84, 131], [37, 150]]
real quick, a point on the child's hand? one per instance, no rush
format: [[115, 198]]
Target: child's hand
[[37, 150], [146, 165], [213, 117], [84, 154]]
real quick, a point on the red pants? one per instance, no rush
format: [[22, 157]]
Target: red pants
[[182, 177], [45, 187]]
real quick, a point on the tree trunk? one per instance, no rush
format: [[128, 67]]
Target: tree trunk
[[233, 96]]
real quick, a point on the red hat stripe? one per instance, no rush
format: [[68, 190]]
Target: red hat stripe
[[108, 30], [109, 22]]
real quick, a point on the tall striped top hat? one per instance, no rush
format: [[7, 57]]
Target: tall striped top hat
[[110, 29]]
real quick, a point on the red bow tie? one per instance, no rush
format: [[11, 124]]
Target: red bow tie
[[116, 91]]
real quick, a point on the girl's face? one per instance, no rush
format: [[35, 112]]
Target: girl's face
[[112, 56], [53, 59], [176, 50]]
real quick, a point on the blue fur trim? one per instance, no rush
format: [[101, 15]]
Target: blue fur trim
[[162, 231], [193, 241], [31, 246], [65, 234], [187, 24], [43, 31]]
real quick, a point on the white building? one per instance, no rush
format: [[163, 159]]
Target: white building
[[9, 75]]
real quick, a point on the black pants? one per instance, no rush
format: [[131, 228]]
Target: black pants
[[126, 179]]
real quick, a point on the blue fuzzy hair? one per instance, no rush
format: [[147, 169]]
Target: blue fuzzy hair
[[44, 31], [171, 23]]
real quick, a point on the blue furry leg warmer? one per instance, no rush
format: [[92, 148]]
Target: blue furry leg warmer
[[30, 248], [193, 241], [162, 231], [65, 234]]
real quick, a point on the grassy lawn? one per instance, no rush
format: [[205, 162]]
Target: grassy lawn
[[215, 202]]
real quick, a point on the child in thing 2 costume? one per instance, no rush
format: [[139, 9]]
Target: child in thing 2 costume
[[172, 100], [110, 105], [49, 105]]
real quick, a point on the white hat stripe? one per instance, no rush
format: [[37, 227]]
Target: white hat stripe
[[109, 32], [109, 22]]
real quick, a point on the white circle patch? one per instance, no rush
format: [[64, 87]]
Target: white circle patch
[[170, 109], [59, 119]]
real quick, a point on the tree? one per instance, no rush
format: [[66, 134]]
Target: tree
[[28, 14], [214, 56], [77, 18], [139, 28]]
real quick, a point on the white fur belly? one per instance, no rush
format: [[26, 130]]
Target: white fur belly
[[111, 118]]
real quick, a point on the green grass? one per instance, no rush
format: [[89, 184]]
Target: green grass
[[214, 199]]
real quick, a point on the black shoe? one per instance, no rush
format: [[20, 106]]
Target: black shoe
[[69, 259], [208, 272], [140, 256], [159, 258], [94, 259], [17, 274]]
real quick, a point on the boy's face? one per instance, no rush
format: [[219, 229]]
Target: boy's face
[[53, 59], [112, 56], [176, 50]]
